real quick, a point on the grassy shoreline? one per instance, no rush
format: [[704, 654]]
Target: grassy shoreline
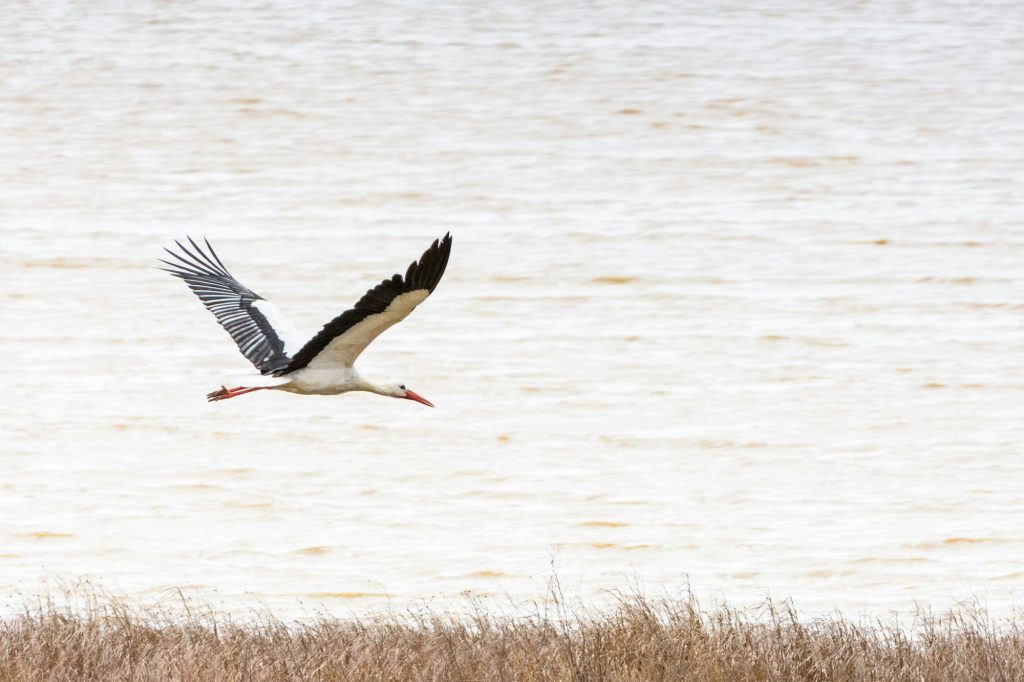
[[639, 639]]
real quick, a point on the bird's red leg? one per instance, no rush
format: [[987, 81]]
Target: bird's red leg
[[240, 391], [223, 393]]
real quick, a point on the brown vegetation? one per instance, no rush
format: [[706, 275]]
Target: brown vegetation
[[638, 640]]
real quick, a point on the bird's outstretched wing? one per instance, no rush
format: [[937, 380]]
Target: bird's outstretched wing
[[256, 325], [342, 339]]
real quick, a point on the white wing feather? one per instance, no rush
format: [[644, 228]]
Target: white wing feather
[[343, 350]]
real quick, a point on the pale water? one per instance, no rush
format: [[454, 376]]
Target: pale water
[[736, 300]]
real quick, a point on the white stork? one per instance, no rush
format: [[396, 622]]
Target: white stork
[[322, 365]]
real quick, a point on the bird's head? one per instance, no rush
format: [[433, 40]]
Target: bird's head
[[400, 391]]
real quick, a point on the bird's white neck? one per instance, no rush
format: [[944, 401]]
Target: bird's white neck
[[373, 387]]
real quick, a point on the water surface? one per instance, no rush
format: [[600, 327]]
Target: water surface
[[736, 300]]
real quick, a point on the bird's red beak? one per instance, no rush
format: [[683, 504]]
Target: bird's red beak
[[409, 395]]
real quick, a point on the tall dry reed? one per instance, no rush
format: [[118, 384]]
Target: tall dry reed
[[640, 639]]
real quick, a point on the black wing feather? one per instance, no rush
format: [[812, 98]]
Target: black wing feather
[[231, 302], [422, 274]]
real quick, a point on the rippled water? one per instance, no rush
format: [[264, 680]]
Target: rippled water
[[736, 300]]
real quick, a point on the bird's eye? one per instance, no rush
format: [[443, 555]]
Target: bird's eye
[[402, 386]]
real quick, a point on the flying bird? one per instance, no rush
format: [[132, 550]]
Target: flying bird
[[323, 365]]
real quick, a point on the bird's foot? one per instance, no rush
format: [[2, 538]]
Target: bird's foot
[[221, 393]]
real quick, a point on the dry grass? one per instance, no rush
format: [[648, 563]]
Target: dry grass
[[639, 640]]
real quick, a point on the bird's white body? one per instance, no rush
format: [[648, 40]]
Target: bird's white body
[[311, 381], [328, 381]]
